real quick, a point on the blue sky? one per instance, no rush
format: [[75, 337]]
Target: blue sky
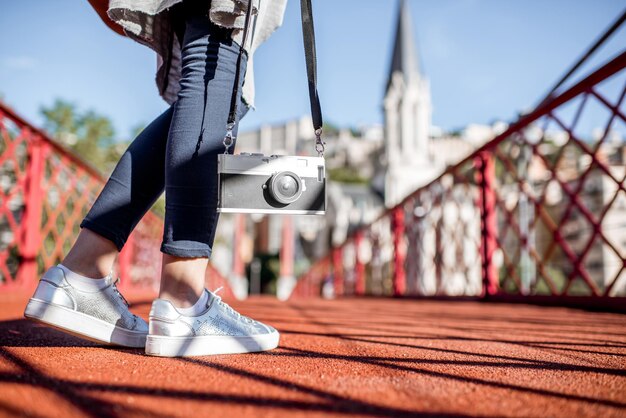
[[486, 59]]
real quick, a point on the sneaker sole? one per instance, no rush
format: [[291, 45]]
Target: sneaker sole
[[209, 345], [81, 325]]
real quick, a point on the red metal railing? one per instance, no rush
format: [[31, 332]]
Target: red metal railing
[[539, 213], [45, 191]]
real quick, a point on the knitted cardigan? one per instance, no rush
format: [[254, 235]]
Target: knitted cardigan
[[149, 22]]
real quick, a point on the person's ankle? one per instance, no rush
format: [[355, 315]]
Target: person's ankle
[[91, 270], [194, 309], [180, 299]]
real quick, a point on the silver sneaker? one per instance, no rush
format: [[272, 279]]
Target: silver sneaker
[[102, 316], [218, 330]]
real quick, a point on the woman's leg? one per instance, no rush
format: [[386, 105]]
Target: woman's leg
[[133, 187], [209, 58], [79, 295], [179, 148]]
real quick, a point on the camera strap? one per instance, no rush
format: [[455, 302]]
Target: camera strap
[[308, 35], [232, 114]]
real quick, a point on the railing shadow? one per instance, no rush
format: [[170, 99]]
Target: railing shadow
[[75, 393], [27, 333], [389, 347]]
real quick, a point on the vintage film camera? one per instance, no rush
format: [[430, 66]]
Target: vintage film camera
[[256, 183]]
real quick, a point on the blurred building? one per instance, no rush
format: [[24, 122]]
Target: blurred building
[[369, 169]]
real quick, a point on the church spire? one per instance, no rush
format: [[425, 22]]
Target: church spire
[[405, 58], [408, 163]]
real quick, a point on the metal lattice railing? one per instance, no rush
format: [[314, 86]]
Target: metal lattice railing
[[538, 212], [45, 191]]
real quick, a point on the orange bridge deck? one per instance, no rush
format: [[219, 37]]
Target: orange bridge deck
[[360, 357]]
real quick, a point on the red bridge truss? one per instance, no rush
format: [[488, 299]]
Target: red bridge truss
[[538, 213], [45, 191]]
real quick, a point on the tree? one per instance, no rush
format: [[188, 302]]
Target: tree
[[91, 136], [88, 133]]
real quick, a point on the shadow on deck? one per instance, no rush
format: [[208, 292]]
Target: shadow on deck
[[367, 357]]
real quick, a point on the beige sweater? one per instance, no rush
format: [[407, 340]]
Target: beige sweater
[[148, 22]]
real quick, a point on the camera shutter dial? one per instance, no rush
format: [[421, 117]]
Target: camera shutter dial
[[285, 187]]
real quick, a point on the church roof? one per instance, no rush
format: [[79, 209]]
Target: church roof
[[405, 57]]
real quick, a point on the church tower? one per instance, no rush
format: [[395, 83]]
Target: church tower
[[406, 162]]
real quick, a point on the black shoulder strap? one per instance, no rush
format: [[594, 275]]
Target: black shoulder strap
[[308, 35], [232, 115]]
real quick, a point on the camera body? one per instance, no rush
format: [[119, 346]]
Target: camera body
[[256, 183]]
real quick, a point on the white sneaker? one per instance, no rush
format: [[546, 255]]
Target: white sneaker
[[218, 330], [100, 315]]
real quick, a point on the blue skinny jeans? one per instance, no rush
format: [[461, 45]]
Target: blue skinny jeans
[[178, 151]]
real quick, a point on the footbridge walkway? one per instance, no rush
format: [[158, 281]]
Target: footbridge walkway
[[463, 300], [371, 357]]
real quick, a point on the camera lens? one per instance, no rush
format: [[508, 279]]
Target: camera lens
[[285, 187]]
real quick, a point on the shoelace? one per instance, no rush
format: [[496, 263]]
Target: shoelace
[[228, 307], [114, 285], [135, 317]]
